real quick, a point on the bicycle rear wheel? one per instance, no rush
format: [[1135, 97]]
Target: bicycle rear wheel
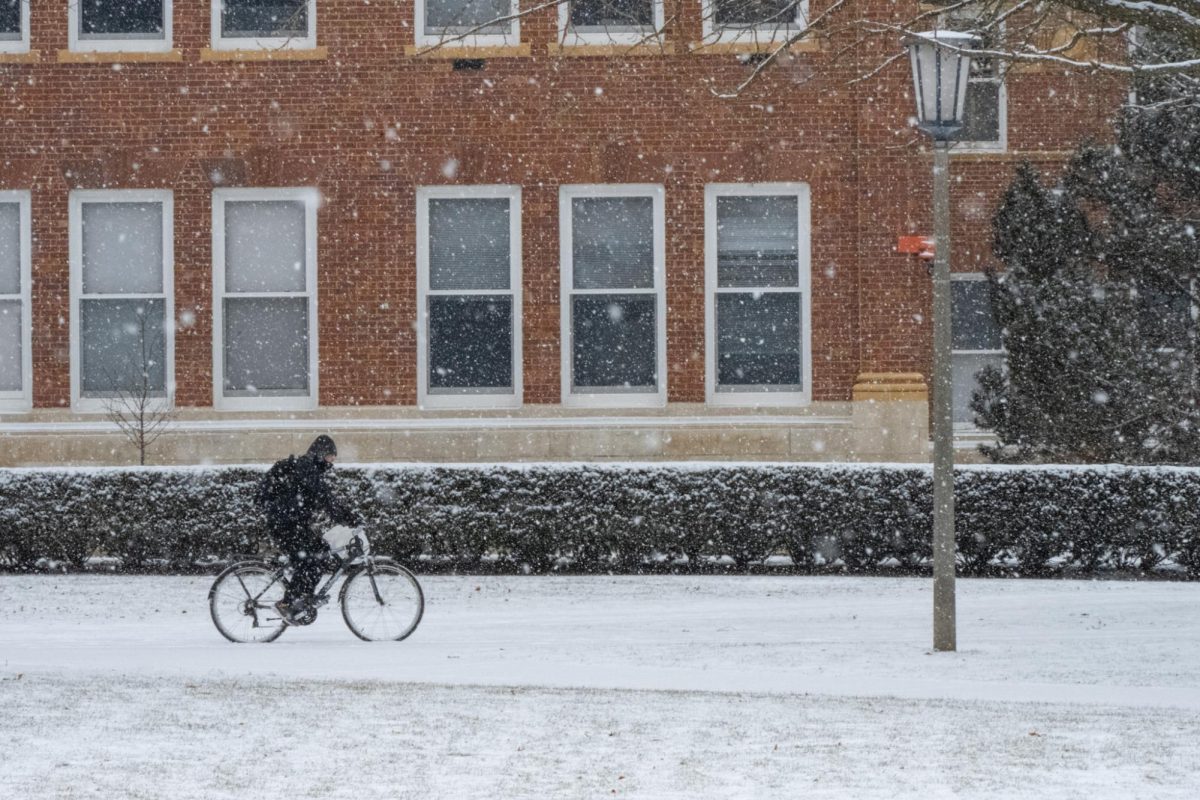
[[242, 603], [382, 602]]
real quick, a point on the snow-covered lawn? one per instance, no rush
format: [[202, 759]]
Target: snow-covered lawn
[[536, 687]]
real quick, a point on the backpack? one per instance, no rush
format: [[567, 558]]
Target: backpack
[[277, 488]]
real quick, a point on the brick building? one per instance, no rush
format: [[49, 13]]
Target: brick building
[[548, 238]]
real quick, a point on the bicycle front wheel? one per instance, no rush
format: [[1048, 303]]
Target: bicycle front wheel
[[242, 603], [382, 602]]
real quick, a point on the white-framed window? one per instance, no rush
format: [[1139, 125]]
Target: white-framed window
[[975, 341], [613, 290], [469, 296], [121, 255], [264, 24], [757, 300], [1166, 313], [752, 21], [14, 26], [16, 362], [265, 299], [985, 113], [467, 23], [119, 25], [609, 21]]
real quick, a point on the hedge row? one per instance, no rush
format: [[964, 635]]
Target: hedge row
[[627, 518]]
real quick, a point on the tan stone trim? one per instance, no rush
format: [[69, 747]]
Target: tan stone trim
[[1011, 155], [618, 50], [74, 57], [806, 45], [890, 386], [453, 52], [270, 54], [32, 57]]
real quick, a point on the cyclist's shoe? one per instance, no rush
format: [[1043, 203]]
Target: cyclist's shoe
[[286, 611]]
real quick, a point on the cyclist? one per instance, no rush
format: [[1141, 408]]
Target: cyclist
[[291, 494]]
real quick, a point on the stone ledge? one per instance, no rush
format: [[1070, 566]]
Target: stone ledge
[[890, 386], [31, 57], [118, 57], [269, 54], [749, 48], [611, 50], [451, 51]]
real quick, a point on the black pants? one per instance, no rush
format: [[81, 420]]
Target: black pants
[[307, 552]]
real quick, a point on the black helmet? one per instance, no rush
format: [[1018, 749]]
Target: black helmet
[[321, 447]]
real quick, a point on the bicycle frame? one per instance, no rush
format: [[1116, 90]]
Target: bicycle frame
[[343, 568]]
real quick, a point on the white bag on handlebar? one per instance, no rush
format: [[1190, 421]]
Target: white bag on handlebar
[[338, 537]]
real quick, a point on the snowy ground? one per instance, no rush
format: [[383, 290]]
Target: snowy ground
[[688, 687]]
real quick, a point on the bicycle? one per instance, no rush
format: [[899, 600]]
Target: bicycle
[[380, 600]]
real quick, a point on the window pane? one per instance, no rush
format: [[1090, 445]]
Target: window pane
[[266, 346], [981, 114], [974, 326], [462, 16], [469, 244], [612, 15], [614, 343], [10, 20], [122, 248], [264, 246], [10, 248], [612, 242], [1164, 315], [10, 345], [120, 19], [964, 368], [470, 343], [264, 18], [119, 340], [758, 241], [758, 340], [746, 13]]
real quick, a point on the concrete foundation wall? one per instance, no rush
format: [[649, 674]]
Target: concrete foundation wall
[[887, 421]]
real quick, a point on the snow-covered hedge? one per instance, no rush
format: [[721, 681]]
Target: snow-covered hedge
[[634, 517]]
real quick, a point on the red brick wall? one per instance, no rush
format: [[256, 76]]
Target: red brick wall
[[369, 124]]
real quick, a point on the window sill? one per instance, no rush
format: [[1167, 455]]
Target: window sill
[[453, 51], [117, 57], [1009, 155], [30, 57], [269, 54], [751, 47], [648, 48]]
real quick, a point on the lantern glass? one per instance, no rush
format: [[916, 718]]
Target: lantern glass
[[940, 79]]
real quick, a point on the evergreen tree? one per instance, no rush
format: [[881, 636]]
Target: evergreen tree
[[1097, 298]]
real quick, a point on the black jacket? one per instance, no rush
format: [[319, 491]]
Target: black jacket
[[300, 491]]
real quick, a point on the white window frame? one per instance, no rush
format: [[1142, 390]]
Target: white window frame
[[309, 196], [118, 45], [766, 34], [764, 398], [22, 401], [222, 42], [75, 257], [424, 39], [569, 37], [501, 400], [970, 427], [21, 45], [614, 399], [1001, 143]]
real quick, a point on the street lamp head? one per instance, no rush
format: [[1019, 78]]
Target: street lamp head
[[940, 79]]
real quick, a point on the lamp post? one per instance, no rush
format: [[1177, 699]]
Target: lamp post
[[940, 79]]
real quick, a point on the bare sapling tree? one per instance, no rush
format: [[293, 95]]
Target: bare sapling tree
[[137, 404]]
